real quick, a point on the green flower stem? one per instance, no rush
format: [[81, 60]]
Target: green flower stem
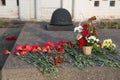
[[42, 62], [45, 59], [26, 60]]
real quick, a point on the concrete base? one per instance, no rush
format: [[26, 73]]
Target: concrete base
[[60, 28]]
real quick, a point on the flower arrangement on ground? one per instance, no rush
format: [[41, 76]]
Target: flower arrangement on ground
[[86, 35]]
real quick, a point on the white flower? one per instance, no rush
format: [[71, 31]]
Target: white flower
[[92, 37], [88, 40], [78, 29], [97, 40]]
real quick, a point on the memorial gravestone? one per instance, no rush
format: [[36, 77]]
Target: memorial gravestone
[[14, 69], [61, 21]]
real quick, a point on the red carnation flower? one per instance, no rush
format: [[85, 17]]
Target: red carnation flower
[[62, 43], [11, 38], [85, 26], [34, 50], [57, 46], [22, 53], [6, 52], [51, 45], [26, 51], [17, 52], [48, 50], [86, 33], [82, 42], [28, 48], [20, 47], [44, 49], [39, 48], [61, 50]]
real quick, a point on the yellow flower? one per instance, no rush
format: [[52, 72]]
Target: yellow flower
[[108, 44], [107, 41], [112, 46], [104, 45]]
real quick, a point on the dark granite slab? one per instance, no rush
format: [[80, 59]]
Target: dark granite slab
[[15, 69]]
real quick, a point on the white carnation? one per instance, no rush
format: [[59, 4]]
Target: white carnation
[[92, 37], [78, 29], [97, 40]]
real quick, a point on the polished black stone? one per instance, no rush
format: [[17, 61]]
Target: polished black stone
[[61, 17], [61, 21]]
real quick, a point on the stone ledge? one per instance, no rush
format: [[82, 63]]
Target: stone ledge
[[60, 28], [66, 73], [23, 74]]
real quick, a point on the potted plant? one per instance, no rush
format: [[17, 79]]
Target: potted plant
[[86, 37]]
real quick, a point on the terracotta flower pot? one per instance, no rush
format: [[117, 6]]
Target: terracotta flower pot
[[87, 50]]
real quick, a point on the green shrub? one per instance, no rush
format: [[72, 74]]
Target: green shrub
[[107, 24], [118, 25], [2, 22]]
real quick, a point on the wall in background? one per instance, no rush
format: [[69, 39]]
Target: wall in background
[[8, 9], [41, 10]]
